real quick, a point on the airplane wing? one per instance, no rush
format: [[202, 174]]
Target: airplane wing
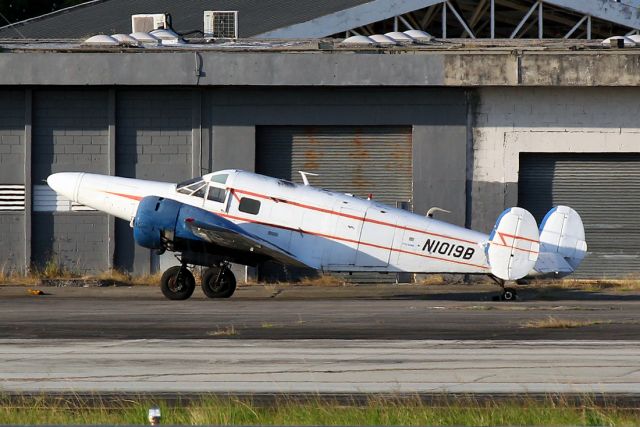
[[227, 234]]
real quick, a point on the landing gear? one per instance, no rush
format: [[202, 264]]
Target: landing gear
[[177, 283], [508, 294], [218, 282]]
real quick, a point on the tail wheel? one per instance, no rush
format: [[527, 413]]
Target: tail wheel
[[218, 283], [177, 283], [509, 294]]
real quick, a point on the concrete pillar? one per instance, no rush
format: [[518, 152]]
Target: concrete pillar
[[28, 122]]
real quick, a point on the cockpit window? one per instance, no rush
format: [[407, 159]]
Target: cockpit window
[[200, 192], [217, 194], [197, 189], [220, 178], [188, 182]]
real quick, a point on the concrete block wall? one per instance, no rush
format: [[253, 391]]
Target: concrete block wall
[[153, 141], [509, 121], [12, 255], [12, 123], [12, 150], [70, 133], [153, 131], [77, 241]]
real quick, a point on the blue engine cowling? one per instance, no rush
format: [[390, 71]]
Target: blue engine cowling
[[156, 218], [160, 222]]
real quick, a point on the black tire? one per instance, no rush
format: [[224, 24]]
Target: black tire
[[224, 289], [509, 294], [177, 291]]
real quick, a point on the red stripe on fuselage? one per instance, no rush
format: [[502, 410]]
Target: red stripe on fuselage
[[127, 196], [343, 239], [345, 215]]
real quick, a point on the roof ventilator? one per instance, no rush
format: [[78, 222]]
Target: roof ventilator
[[147, 22]]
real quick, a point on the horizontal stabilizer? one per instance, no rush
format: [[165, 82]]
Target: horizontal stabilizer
[[562, 233], [513, 245], [549, 262]]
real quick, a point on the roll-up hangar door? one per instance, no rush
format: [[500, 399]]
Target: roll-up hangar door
[[360, 160], [604, 189]]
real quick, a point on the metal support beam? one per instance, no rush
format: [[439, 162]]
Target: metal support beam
[[354, 17], [540, 20], [444, 20], [589, 28], [622, 13], [493, 19], [405, 22], [395, 23], [460, 19], [575, 27], [524, 20]]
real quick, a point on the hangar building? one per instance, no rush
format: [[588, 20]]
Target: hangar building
[[471, 124]]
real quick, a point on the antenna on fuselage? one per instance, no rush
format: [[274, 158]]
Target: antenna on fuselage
[[435, 209], [304, 174]]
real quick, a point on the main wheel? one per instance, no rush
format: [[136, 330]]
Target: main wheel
[[509, 294], [177, 283], [218, 287]]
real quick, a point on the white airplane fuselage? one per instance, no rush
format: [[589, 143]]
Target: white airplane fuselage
[[326, 230]]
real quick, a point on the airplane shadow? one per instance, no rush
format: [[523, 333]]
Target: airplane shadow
[[523, 295]]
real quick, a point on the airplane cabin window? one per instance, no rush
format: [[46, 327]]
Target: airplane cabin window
[[249, 206], [220, 179], [217, 194]]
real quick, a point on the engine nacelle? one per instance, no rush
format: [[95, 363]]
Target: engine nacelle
[[162, 223], [155, 221]]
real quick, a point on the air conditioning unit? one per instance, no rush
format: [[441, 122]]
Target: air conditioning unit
[[221, 24], [148, 22]]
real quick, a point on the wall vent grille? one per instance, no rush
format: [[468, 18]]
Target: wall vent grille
[[221, 24], [47, 200], [11, 197]]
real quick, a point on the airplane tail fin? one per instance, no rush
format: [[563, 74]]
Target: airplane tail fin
[[562, 242], [513, 245]]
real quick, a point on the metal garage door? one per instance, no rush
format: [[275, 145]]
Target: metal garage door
[[359, 160], [363, 160], [604, 189]]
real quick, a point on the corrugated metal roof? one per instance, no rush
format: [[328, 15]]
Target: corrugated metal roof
[[114, 16]]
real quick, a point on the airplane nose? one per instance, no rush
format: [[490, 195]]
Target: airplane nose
[[64, 183]]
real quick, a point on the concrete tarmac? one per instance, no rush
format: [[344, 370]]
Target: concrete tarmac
[[319, 366], [286, 312], [289, 339]]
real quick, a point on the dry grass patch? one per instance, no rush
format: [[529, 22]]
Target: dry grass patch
[[227, 331], [431, 280], [629, 283], [15, 278], [123, 278], [325, 280], [556, 323]]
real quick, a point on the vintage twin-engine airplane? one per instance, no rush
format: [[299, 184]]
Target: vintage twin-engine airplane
[[246, 218]]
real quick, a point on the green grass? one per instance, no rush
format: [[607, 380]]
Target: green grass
[[376, 411]]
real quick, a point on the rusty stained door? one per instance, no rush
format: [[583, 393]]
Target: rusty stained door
[[359, 160]]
